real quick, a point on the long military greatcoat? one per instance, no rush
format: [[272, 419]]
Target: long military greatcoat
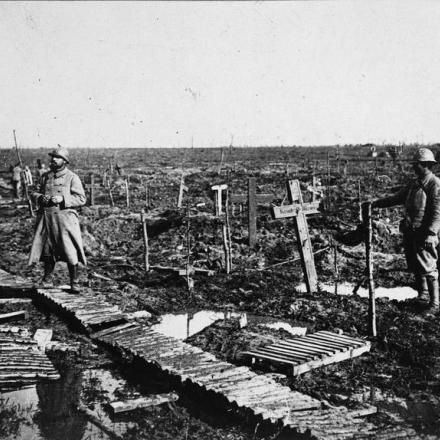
[[57, 233]]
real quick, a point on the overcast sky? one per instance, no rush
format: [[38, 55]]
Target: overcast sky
[[164, 74]]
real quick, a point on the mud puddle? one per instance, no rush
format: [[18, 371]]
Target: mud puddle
[[183, 325], [416, 411], [48, 410], [398, 293]]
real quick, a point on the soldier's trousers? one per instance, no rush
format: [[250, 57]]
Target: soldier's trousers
[[420, 261]]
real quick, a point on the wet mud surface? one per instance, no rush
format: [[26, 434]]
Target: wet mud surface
[[401, 374]]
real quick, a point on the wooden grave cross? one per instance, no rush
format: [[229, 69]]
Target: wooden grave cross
[[218, 199], [252, 199], [298, 211], [91, 187]]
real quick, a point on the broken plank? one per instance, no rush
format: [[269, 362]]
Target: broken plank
[[5, 317], [143, 402]]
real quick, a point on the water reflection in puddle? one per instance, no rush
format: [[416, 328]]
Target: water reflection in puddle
[[184, 325], [47, 410], [397, 293]]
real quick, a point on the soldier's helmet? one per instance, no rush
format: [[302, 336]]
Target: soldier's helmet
[[424, 155], [60, 152]]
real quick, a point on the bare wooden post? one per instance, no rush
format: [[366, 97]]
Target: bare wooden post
[[189, 279], [221, 161], [314, 187], [252, 211], [328, 180], [336, 270], [359, 200], [228, 228], [147, 248], [92, 189], [366, 215], [182, 188], [147, 195], [110, 194], [127, 192]]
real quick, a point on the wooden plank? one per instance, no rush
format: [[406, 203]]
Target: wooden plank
[[338, 357], [349, 339], [306, 252], [5, 317], [252, 212], [143, 402], [289, 211], [256, 355]]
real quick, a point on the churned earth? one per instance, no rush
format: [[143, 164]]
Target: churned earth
[[401, 374]]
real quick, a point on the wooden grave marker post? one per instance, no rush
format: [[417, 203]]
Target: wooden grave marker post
[[92, 187], [298, 211], [183, 188], [218, 197], [252, 199]]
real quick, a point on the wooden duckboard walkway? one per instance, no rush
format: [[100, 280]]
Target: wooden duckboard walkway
[[21, 362], [14, 286], [311, 351], [258, 394], [87, 308]]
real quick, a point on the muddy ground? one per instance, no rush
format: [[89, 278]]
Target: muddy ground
[[404, 361]]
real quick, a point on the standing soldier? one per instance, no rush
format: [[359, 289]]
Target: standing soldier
[[420, 225], [16, 180], [58, 235]]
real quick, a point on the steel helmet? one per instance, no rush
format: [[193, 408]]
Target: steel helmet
[[62, 152], [424, 155]]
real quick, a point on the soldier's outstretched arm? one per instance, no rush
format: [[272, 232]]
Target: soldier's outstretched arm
[[396, 199], [76, 197]]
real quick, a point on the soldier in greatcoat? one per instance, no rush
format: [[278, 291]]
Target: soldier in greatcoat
[[420, 225], [58, 235]]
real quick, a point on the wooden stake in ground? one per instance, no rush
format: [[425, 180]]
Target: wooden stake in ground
[[127, 191], [26, 193], [110, 194], [182, 188], [366, 216], [228, 229], [147, 248], [252, 211], [189, 271], [359, 200], [92, 189], [147, 195]]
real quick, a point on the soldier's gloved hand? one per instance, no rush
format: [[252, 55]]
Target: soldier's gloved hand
[[56, 199], [431, 242]]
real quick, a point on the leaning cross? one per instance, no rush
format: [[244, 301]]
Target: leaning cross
[[218, 200], [298, 211], [252, 200]]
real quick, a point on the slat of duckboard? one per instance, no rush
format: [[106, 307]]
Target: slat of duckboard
[[22, 363], [324, 348]]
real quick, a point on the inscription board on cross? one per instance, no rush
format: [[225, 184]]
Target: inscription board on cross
[[297, 210]]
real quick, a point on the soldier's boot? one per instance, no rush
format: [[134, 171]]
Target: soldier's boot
[[422, 289], [49, 266], [73, 275], [433, 289]]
